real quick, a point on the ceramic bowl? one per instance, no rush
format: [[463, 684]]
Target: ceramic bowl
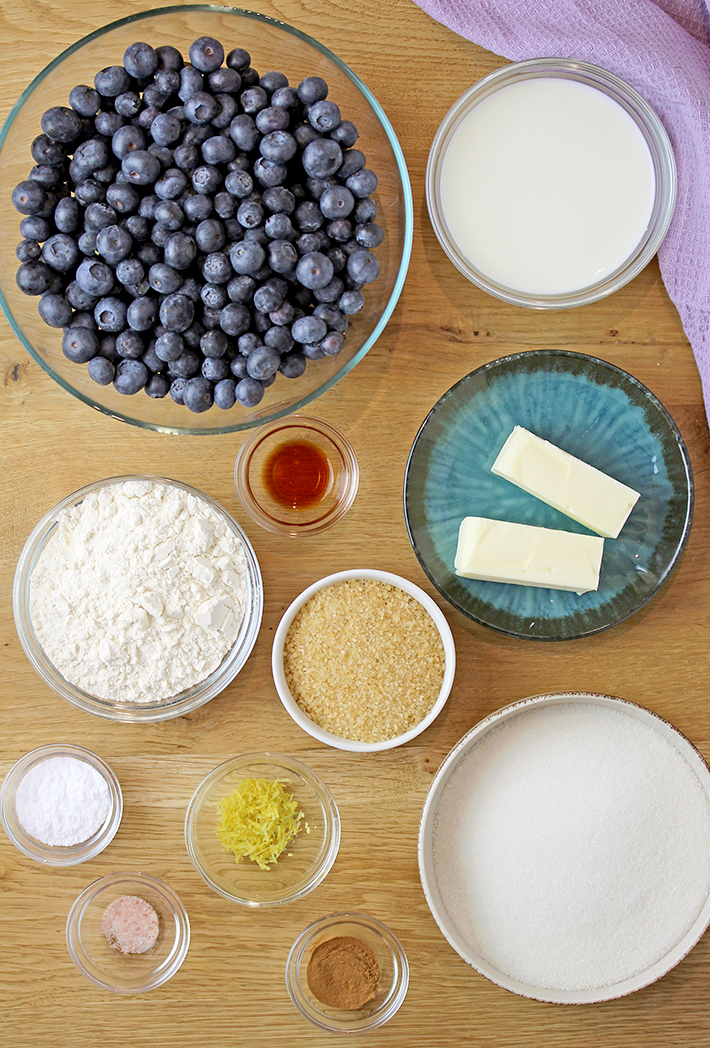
[[328, 737]]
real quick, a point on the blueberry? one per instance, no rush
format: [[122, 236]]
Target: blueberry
[[164, 279], [345, 134], [201, 108], [140, 61], [270, 295], [60, 124], [80, 344], [169, 214], [279, 227], [224, 204], [363, 183], [253, 99], [84, 100], [322, 158], [142, 313], [336, 202], [61, 252], [107, 123], [206, 54], [305, 134], [228, 108], [165, 129], [340, 230], [324, 116], [238, 366], [292, 365], [92, 155], [112, 81], [79, 299], [309, 329], [282, 257], [314, 270], [122, 197], [206, 179], [234, 319], [263, 363], [141, 167], [312, 89], [214, 343], [308, 217], [369, 234], [28, 197], [215, 368], [333, 343], [131, 376], [129, 345], [273, 81], [27, 251], [273, 118], [99, 215], [94, 277], [241, 288], [249, 392], [180, 251], [176, 313], [286, 98], [169, 57], [130, 271], [247, 257], [172, 184], [278, 146], [239, 59], [191, 289], [35, 228], [224, 394], [279, 339], [177, 390], [186, 157], [197, 395], [191, 82], [167, 81], [250, 214], [169, 346], [216, 268], [268, 173], [46, 151], [54, 310], [284, 315], [312, 351], [157, 387], [333, 317], [114, 243], [351, 302], [218, 150], [363, 267], [214, 296], [110, 314], [128, 104], [46, 177], [101, 370]]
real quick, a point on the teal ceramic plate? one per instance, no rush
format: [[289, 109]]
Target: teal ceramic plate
[[594, 411]]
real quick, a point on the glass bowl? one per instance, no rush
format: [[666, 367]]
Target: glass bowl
[[391, 988], [115, 709], [272, 45], [640, 776], [58, 855], [661, 208], [306, 860], [106, 966], [296, 476], [328, 737]]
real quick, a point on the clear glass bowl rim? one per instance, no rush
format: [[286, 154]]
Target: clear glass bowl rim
[[134, 880], [189, 700], [646, 119], [305, 722], [407, 200], [331, 828], [378, 1017], [52, 855], [265, 520]]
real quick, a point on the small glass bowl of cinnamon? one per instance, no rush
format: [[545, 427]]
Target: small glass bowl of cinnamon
[[347, 973], [296, 476]]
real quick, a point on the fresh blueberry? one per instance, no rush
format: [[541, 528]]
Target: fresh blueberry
[[101, 370], [216, 268], [110, 314], [278, 146], [324, 116], [279, 339], [206, 179], [351, 302], [112, 81], [141, 167], [157, 386], [61, 124], [128, 104], [336, 202], [169, 57], [176, 313], [80, 344], [322, 158], [171, 185], [27, 251], [241, 288], [239, 59], [312, 89], [201, 108], [234, 319], [215, 368], [140, 61], [345, 134], [363, 267], [224, 394], [247, 257], [165, 129], [239, 184], [84, 100], [34, 228], [129, 345], [131, 376], [218, 150], [164, 279], [28, 197], [206, 54], [314, 270], [177, 390], [249, 392], [122, 197], [142, 313], [54, 310], [197, 394], [292, 365], [130, 271], [114, 243], [94, 277], [363, 183], [169, 346], [253, 100], [214, 343], [180, 251]]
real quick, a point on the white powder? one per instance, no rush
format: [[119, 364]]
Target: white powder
[[62, 801], [572, 847], [139, 593]]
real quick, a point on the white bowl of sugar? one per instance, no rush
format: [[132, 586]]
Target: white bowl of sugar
[[564, 847]]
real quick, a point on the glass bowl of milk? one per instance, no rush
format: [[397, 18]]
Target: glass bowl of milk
[[551, 183]]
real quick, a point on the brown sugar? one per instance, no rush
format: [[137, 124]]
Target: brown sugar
[[343, 973], [364, 660]]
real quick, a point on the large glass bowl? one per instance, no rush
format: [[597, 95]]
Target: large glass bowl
[[272, 45]]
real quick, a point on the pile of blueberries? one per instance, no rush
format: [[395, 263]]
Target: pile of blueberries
[[196, 228]]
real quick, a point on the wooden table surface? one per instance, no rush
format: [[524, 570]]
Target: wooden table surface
[[231, 988]]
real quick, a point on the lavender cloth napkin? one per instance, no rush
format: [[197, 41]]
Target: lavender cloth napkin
[[660, 47]]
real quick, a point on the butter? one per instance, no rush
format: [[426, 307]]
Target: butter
[[564, 482], [500, 551]]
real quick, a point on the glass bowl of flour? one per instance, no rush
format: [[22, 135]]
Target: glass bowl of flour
[[137, 598]]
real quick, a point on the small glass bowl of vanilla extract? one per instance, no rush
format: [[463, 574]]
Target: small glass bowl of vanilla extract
[[296, 476]]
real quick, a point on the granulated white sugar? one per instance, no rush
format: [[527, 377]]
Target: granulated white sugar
[[571, 846], [62, 801]]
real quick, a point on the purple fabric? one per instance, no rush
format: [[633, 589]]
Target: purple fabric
[[662, 49]]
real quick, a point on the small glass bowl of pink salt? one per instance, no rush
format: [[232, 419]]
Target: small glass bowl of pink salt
[[128, 933]]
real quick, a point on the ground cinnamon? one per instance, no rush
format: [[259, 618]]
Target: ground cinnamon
[[343, 973]]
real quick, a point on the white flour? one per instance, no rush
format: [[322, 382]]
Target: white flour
[[139, 593]]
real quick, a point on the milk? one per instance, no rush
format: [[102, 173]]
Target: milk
[[547, 186]]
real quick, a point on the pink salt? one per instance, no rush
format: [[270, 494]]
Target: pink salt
[[130, 924]]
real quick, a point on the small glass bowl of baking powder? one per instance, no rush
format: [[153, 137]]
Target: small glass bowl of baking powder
[[160, 566], [365, 934], [105, 965], [66, 815]]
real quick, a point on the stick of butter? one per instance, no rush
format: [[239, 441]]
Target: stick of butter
[[564, 482], [500, 551]]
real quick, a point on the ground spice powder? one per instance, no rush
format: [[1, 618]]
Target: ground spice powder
[[343, 973]]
